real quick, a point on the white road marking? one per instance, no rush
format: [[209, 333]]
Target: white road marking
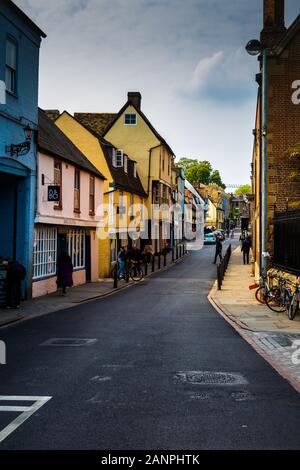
[[27, 411]]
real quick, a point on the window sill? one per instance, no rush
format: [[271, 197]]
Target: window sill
[[57, 208], [11, 93]]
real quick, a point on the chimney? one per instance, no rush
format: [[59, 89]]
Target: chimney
[[274, 24], [135, 97]]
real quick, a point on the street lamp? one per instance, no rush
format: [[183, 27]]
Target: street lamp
[[22, 148], [254, 47]]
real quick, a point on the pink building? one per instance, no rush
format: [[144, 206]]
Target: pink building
[[68, 221]]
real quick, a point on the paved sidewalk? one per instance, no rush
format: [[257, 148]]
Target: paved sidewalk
[[84, 293], [272, 334]]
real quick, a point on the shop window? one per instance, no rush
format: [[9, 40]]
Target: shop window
[[44, 252], [76, 247]]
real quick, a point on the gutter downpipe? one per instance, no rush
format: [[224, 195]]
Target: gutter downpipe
[[264, 259]]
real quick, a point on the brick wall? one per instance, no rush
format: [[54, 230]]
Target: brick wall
[[283, 131]]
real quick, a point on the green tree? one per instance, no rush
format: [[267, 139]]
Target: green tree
[[216, 178], [186, 163], [242, 190], [198, 174]]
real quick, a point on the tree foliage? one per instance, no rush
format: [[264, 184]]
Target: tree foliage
[[243, 190], [200, 172]]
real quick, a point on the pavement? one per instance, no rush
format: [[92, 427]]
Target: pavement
[[151, 367], [272, 334], [76, 295]]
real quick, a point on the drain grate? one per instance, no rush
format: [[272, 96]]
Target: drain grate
[[210, 378], [74, 342]]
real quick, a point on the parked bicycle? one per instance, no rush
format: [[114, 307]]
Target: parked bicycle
[[293, 303], [277, 296], [136, 272], [264, 287]]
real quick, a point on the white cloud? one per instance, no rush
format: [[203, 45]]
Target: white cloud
[[203, 71]]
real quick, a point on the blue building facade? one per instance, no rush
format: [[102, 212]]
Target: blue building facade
[[20, 41]]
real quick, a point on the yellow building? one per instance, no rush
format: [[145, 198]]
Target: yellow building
[[124, 196], [131, 131]]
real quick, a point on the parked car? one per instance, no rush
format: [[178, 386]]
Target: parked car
[[209, 239]]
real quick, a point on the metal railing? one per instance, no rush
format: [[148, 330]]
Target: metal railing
[[222, 267], [286, 241]]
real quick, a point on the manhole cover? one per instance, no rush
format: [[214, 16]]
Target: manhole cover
[[210, 378], [75, 342], [242, 396]]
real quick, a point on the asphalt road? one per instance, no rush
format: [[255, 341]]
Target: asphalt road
[[134, 388]]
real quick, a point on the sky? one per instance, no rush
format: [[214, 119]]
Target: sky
[[186, 57]]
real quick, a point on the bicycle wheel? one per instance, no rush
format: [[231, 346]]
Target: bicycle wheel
[[293, 307], [275, 300], [260, 295], [136, 273]]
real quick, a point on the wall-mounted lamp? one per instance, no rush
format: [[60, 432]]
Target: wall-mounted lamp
[[22, 148]]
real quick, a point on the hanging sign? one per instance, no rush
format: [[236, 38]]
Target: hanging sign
[[53, 193]]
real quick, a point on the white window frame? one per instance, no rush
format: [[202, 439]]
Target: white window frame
[[111, 212], [44, 251], [125, 163], [121, 205], [76, 247], [118, 158], [130, 116], [134, 170], [141, 209], [11, 68]]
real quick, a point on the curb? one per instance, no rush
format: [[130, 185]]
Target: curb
[[24, 318], [240, 328]]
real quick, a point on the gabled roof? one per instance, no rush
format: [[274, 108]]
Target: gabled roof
[[24, 17], [103, 122], [123, 181], [195, 193], [53, 141], [290, 33], [99, 122]]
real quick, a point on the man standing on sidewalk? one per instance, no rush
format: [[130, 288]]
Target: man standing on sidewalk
[[219, 247], [246, 245]]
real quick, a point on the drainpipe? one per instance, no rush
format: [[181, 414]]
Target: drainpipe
[[264, 255]]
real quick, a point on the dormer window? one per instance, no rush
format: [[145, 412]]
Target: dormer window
[[118, 158], [134, 169], [130, 119], [125, 163]]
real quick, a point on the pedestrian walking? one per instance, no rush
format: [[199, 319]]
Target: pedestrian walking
[[218, 252], [121, 263], [64, 272], [16, 273], [148, 253], [246, 245], [242, 237]]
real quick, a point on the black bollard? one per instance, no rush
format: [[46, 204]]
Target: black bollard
[[115, 277]]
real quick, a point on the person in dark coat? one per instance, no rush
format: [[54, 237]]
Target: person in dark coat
[[64, 272], [16, 273], [246, 245], [135, 254], [218, 252]]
